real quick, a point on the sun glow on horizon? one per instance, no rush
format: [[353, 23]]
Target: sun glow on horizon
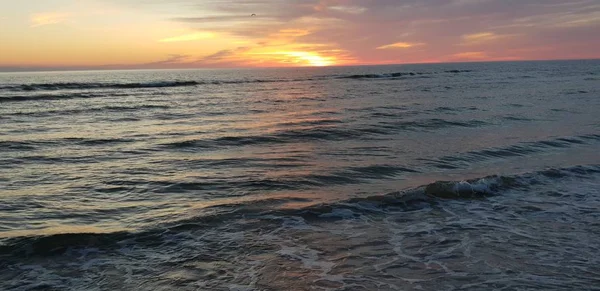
[[299, 58], [310, 58]]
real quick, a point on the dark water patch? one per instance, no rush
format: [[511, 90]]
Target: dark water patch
[[445, 109], [244, 140], [59, 243], [575, 92], [378, 108], [222, 141], [249, 81], [387, 114], [356, 175], [324, 133], [247, 184], [561, 110], [288, 136], [518, 150], [570, 140], [382, 76], [42, 144], [52, 160], [312, 122], [131, 108], [112, 189], [516, 118], [380, 171], [593, 137], [21, 203], [521, 77], [49, 97], [230, 186], [186, 144], [284, 162], [17, 146], [450, 110], [122, 119], [430, 124], [95, 142], [76, 95], [398, 75], [107, 109], [458, 71], [84, 86]]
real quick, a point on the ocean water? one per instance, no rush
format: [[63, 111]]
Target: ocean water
[[479, 176]]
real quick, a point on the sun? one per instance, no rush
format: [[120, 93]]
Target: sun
[[311, 59], [295, 58]]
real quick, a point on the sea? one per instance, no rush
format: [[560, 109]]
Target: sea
[[461, 176]]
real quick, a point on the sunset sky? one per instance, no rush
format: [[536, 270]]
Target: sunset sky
[[113, 34]]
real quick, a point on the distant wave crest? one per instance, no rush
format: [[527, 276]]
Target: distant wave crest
[[76, 86], [191, 83]]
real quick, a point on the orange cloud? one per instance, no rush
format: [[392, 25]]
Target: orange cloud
[[47, 18], [483, 37], [400, 45], [286, 33]]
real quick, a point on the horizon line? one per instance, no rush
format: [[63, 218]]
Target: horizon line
[[24, 69]]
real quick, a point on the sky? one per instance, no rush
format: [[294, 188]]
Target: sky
[[139, 34]]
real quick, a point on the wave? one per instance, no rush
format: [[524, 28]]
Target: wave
[[191, 83], [104, 109], [157, 84], [518, 150], [399, 75], [76, 86], [50, 97], [252, 184], [34, 145], [327, 132], [380, 76], [262, 210], [73, 95]]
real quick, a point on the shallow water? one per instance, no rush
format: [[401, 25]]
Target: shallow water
[[305, 179]]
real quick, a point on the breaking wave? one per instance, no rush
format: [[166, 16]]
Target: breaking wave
[[438, 192]]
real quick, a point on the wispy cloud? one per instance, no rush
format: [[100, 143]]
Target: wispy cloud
[[483, 37], [400, 45], [47, 18], [189, 37], [582, 17], [173, 59], [470, 55], [348, 9], [292, 32]]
